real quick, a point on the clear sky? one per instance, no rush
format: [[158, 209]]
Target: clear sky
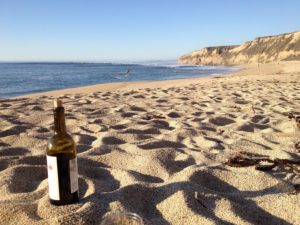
[[111, 30]]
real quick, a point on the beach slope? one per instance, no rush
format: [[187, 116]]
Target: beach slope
[[164, 150]]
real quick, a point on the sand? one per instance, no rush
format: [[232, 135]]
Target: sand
[[159, 149]]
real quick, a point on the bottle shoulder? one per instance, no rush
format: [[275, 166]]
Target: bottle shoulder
[[61, 143]]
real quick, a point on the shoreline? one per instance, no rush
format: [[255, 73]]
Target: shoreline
[[120, 86], [243, 70]]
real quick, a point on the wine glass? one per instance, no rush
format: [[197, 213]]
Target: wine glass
[[122, 218]]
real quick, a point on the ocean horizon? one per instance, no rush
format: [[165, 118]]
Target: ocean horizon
[[22, 78]]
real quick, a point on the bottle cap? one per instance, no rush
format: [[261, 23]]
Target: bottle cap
[[57, 103]]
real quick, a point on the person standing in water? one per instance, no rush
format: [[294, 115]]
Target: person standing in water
[[119, 74], [127, 73]]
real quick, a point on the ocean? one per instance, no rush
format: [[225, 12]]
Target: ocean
[[18, 79]]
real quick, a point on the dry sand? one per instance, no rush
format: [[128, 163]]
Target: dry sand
[[158, 149]]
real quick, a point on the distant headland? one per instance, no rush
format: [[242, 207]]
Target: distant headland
[[283, 47]]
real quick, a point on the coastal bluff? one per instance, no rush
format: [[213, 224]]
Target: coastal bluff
[[283, 47]]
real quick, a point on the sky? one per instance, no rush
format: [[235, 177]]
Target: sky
[[124, 30]]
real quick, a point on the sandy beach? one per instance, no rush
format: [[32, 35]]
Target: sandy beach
[[162, 150]]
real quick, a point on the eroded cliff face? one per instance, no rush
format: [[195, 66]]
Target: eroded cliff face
[[261, 50]]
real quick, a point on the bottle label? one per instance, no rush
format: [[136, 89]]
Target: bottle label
[[73, 175], [53, 177]]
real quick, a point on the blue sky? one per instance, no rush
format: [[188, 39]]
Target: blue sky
[[42, 30]]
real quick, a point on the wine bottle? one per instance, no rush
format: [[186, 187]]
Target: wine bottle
[[62, 161]]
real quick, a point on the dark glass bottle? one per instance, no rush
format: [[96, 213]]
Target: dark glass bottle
[[62, 161]]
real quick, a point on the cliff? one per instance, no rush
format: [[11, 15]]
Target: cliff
[[260, 50]]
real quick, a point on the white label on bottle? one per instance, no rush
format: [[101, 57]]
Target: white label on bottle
[[53, 177], [73, 175]]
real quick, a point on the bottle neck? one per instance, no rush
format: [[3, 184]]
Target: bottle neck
[[59, 120]]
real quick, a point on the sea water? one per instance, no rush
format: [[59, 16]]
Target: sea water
[[18, 79]]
